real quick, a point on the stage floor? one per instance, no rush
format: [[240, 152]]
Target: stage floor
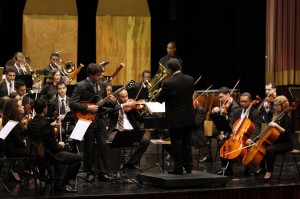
[[238, 185]]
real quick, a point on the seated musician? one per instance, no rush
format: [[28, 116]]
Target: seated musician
[[229, 109], [54, 64], [254, 116], [283, 142], [27, 102], [7, 86], [49, 90], [267, 108], [124, 111], [140, 89], [40, 130]]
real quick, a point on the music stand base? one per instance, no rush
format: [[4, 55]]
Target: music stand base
[[123, 179]]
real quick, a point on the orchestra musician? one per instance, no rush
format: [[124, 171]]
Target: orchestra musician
[[283, 142], [59, 107], [14, 142], [140, 89], [7, 86], [171, 54], [129, 122], [27, 102], [54, 64], [267, 108], [66, 164], [230, 107], [180, 116], [49, 90], [86, 90], [18, 62]]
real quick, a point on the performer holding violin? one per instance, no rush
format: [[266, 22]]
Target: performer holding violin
[[231, 108], [123, 117], [281, 127], [267, 105]]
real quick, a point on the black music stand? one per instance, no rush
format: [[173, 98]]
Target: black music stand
[[124, 139]]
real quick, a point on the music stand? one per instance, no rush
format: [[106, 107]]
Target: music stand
[[295, 93], [124, 139]]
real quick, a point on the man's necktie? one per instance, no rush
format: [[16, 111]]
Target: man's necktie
[[10, 89], [121, 121], [63, 107]]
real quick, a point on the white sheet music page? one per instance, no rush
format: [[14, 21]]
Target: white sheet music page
[[7, 128], [81, 126], [156, 107]]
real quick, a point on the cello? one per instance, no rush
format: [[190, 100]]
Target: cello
[[266, 138], [242, 128]]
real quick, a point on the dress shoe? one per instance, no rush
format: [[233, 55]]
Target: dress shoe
[[259, 172], [176, 172], [90, 177], [268, 175], [68, 188], [104, 177]]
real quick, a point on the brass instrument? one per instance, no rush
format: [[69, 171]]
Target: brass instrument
[[153, 84], [69, 68]]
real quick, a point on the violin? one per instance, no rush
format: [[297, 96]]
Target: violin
[[137, 104], [269, 99]]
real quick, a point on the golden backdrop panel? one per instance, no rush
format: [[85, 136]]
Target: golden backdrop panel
[[124, 36], [50, 25]]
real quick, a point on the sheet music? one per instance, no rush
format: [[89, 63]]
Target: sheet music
[[7, 128], [156, 107], [81, 126]]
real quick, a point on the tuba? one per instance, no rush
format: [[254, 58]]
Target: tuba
[[153, 84]]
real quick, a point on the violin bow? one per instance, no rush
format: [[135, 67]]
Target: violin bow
[[206, 90], [231, 92], [197, 80]]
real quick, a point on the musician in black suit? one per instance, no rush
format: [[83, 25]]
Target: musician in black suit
[[87, 90], [54, 64], [7, 86], [130, 123], [59, 107], [27, 102], [40, 130], [171, 54], [180, 118]]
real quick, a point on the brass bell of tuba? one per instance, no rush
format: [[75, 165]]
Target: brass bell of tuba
[[153, 84]]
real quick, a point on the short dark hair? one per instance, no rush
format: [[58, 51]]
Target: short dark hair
[[61, 83], [173, 64], [19, 83], [55, 54], [39, 105], [146, 71], [93, 69], [224, 90], [273, 84], [246, 94], [10, 69]]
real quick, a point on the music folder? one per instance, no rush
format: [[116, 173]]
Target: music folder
[[220, 122]]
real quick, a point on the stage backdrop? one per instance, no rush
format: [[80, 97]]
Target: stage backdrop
[[123, 35], [49, 26]]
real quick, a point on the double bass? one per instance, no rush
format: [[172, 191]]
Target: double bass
[[266, 138], [242, 128]]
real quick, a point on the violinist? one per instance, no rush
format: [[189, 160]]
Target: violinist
[[267, 108], [283, 142], [230, 107], [59, 106], [124, 118], [27, 102]]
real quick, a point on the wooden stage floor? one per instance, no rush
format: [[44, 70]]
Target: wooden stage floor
[[237, 186]]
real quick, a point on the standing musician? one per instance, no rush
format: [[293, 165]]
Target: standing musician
[[87, 90], [171, 54], [283, 142], [124, 118], [7, 86], [180, 116], [230, 107]]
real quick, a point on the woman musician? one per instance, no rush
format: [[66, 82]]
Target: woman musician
[[283, 142]]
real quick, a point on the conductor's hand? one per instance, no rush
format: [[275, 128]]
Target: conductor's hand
[[93, 108], [62, 144]]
